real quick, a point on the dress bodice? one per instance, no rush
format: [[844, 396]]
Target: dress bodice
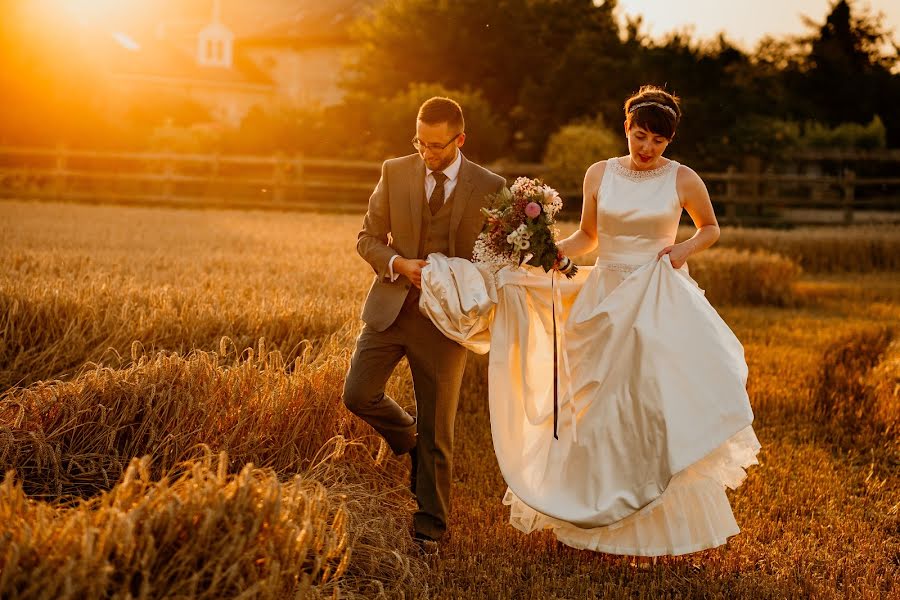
[[637, 212]]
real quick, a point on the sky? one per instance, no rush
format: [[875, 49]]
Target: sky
[[744, 21]]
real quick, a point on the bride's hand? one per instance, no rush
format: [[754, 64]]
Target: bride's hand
[[678, 253], [560, 259]]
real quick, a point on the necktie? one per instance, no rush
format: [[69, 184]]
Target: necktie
[[437, 196]]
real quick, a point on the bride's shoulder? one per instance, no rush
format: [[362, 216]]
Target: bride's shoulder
[[686, 173], [596, 170], [686, 176]]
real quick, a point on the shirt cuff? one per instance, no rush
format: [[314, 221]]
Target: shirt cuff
[[393, 275]]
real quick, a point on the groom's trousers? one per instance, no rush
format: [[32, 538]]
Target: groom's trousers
[[437, 365]]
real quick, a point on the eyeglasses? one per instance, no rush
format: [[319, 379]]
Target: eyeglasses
[[422, 147]]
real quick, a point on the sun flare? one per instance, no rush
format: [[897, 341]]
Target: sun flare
[[88, 11]]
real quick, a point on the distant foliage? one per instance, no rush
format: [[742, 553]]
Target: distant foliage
[[871, 136], [377, 128], [574, 148]]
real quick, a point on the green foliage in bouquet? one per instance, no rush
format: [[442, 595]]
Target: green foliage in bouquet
[[519, 227]]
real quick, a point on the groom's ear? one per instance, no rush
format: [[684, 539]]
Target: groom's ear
[[461, 140]]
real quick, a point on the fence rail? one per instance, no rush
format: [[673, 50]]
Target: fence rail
[[295, 182]]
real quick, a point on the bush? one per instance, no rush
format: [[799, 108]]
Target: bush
[[574, 148], [377, 128], [846, 135]]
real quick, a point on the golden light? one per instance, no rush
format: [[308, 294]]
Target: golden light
[[87, 12]]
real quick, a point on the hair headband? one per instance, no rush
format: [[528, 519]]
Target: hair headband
[[662, 106]]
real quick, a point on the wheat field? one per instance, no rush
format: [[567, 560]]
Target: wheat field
[[171, 423]]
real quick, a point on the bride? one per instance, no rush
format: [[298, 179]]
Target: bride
[[651, 419]]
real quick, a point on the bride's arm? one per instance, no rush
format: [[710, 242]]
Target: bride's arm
[[695, 198], [585, 237]]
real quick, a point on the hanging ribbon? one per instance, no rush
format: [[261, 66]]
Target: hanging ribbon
[[559, 347], [555, 358]]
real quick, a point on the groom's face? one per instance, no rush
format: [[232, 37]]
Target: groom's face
[[434, 148]]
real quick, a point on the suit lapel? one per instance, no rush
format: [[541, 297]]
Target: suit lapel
[[461, 195], [416, 200]]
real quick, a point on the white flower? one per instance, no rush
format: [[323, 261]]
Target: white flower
[[520, 238]]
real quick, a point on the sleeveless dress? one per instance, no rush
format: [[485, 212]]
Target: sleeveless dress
[[653, 417]]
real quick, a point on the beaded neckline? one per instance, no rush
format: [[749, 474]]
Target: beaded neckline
[[636, 175]]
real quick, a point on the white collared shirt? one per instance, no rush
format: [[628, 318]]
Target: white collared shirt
[[452, 173]]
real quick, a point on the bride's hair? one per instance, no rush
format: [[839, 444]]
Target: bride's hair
[[654, 109]]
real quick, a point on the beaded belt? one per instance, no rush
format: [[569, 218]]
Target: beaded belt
[[621, 267]]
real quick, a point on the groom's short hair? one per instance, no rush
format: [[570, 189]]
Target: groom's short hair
[[438, 109]]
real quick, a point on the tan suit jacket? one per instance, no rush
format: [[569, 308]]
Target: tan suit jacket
[[393, 225]]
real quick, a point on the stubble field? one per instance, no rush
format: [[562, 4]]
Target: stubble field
[[171, 423]]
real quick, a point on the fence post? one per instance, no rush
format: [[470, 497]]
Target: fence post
[[754, 165], [849, 183], [730, 196], [168, 186], [59, 178], [299, 178], [278, 178], [214, 177]]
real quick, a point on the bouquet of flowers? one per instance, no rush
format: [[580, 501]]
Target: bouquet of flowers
[[520, 228]]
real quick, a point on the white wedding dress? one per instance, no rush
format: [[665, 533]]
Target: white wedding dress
[[653, 421]]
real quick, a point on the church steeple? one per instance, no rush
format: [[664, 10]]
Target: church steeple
[[215, 42]]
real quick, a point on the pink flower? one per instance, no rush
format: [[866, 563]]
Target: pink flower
[[532, 210]]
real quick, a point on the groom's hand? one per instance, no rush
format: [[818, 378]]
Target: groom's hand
[[411, 268]]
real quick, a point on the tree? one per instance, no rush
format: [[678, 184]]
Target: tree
[[527, 57], [376, 128], [847, 74]]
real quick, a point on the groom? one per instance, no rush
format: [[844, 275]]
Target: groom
[[425, 202]]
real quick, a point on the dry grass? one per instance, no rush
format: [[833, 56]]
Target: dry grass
[[820, 516], [745, 277], [76, 438], [174, 280], [822, 249], [206, 534], [844, 396], [883, 385]]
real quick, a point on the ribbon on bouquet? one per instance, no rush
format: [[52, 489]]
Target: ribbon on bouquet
[[559, 347]]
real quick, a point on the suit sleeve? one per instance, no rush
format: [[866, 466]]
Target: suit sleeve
[[372, 241]]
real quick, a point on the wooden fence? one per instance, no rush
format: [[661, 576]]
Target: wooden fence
[[297, 183]]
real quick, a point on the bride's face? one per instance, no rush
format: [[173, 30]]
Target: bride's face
[[645, 147]]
